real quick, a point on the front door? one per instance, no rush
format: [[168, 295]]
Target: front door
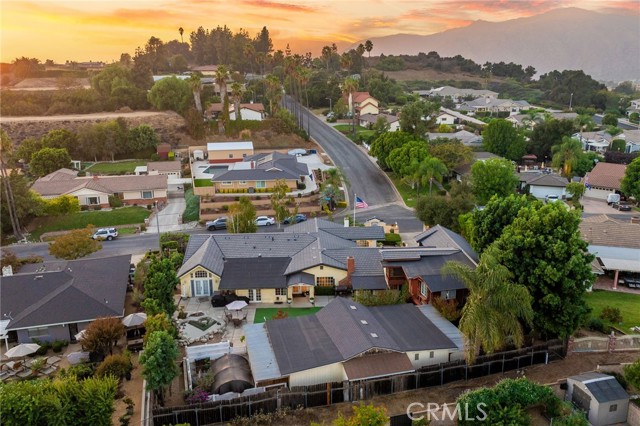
[[255, 295], [73, 330], [201, 288]]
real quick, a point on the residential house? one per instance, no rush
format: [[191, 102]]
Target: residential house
[[250, 111], [172, 169], [465, 169], [604, 179], [96, 190], [600, 396], [525, 120], [440, 237], [541, 184], [206, 70], [616, 244], [56, 300], [454, 118], [368, 120], [635, 107], [455, 93], [346, 341], [229, 152], [493, 105], [467, 138], [364, 103], [632, 140], [163, 149], [260, 172], [594, 141]]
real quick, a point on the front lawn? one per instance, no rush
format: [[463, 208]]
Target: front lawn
[[98, 218], [362, 133], [409, 195], [268, 313], [629, 305], [121, 167], [199, 183]]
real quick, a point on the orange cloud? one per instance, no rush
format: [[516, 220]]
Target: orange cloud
[[276, 5]]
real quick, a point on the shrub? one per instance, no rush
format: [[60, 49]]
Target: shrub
[[196, 396], [341, 204], [84, 208], [611, 314], [325, 291], [98, 207], [447, 308], [115, 365], [596, 324], [115, 201], [632, 374], [57, 346], [81, 371]]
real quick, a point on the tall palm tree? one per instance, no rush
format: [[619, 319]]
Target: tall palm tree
[[6, 148], [274, 92], [349, 87], [495, 306], [346, 61], [368, 46], [584, 122], [431, 168], [249, 52], [196, 86], [221, 76], [566, 155], [237, 91], [181, 31]]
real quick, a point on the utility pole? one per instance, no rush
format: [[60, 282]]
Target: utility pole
[[570, 102]]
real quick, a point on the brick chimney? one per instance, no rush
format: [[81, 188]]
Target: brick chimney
[[351, 265]]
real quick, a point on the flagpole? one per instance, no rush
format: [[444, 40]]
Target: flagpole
[[354, 208]]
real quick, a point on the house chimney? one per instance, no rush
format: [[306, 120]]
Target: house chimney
[[253, 164], [351, 265], [7, 271], [346, 222]]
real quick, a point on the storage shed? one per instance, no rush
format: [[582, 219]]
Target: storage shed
[[601, 396]]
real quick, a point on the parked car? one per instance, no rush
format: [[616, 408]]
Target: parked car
[[265, 221], [624, 207], [219, 223], [105, 234], [551, 198], [613, 198], [295, 219]]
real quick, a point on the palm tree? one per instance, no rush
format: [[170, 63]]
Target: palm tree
[[566, 155], [196, 85], [346, 61], [333, 180], [349, 87], [181, 31], [431, 168], [237, 90], [368, 46], [491, 316], [532, 118], [6, 148], [274, 93], [249, 52], [221, 76]]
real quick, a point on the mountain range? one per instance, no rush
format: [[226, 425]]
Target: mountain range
[[605, 46]]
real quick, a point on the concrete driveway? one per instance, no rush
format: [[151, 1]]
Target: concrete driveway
[[170, 217], [594, 206]]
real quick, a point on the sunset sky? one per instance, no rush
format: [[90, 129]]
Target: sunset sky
[[84, 30]]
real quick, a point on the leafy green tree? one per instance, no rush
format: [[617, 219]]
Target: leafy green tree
[[547, 134], [158, 322], [280, 201], [61, 138], [170, 93], [576, 189], [101, 335], [400, 158], [442, 210], [242, 217], [634, 117], [417, 117], [586, 162], [26, 149], [74, 244], [610, 120], [632, 374], [495, 306], [452, 153], [112, 137], [49, 160], [24, 204], [431, 169], [382, 146], [380, 126], [487, 224], [545, 252], [364, 415], [158, 361], [502, 138], [141, 138], [630, 184], [62, 205], [494, 176], [566, 155], [160, 283], [618, 145]]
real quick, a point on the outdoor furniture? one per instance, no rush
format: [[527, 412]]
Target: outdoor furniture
[[237, 322], [53, 360], [48, 370], [228, 315], [25, 373], [135, 344]]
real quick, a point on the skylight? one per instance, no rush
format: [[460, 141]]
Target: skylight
[[364, 322], [374, 335]]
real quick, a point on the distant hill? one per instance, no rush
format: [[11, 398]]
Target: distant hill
[[605, 46]]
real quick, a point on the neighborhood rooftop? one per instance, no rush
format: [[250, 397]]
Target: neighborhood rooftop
[[224, 146]]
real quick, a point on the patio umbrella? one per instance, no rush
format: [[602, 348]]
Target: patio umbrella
[[134, 320], [236, 305], [22, 350]]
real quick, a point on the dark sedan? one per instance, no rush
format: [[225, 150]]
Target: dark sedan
[[294, 219], [624, 207]]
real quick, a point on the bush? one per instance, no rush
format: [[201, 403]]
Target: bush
[[611, 314], [596, 324], [81, 371], [632, 374], [341, 204], [324, 291], [115, 365], [115, 201], [84, 208], [196, 396], [57, 346], [98, 207], [447, 308]]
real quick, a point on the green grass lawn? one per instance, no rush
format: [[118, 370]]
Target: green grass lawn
[[629, 305], [202, 182], [409, 195], [268, 313], [122, 216], [116, 168], [362, 132]]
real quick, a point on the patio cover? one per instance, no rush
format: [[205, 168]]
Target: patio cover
[[626, 265], [377, 365]]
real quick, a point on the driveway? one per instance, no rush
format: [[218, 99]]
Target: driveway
[[170, 217], [594, 206]]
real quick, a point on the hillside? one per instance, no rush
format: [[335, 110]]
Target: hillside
[[605, 46]]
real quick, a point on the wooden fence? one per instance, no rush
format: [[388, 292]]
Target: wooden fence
[[334, 393]]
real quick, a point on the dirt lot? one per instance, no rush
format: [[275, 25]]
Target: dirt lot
[[397, 403]]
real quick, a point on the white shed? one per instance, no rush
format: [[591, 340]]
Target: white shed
[[601, 396]]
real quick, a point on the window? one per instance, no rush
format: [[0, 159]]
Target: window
[[92, 201], [261, 184], [230, 155], [396, 273], [147, 195], [362, 243], [613, 407], [431, 354], [448, 294], [244, 155], [281, 291], [38, 332], [424, 290], [201, 274], [255, 295], [325, 281], [243, 182], [416, 357], [226, 182]]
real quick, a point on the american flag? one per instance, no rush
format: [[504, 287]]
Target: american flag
[[360, 204]]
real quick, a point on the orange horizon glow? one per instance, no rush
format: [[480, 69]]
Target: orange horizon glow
[[84, 30]]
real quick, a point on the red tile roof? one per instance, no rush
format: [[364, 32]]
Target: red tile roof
[[606, 175]]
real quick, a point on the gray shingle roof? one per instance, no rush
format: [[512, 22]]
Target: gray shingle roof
[[603, 387], [85, 290], [260, 272], [369, 282], [270, 166], [441, 237], [429, 268], [366, 259]]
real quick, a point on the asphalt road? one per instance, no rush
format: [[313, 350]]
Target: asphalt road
[[364, 178], [622, 123]]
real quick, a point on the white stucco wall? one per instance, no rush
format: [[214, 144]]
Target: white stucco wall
[[440, 355], [247, 114], [325, 374], [543, 191]]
